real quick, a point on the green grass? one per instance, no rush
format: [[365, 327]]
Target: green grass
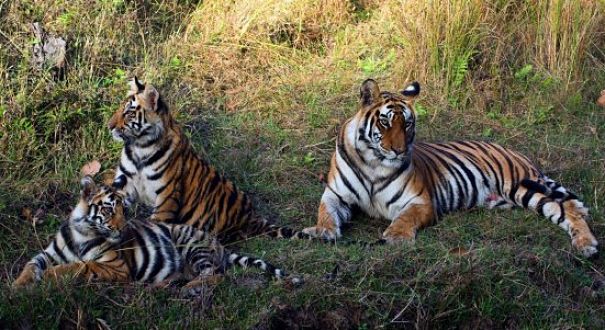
[[261, 90]]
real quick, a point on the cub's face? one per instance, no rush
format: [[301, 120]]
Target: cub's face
[[388, 121], [100, 211], [141, 118]]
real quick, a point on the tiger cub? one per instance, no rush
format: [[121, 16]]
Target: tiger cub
[[379, 167], [159, 167], [97, 243]]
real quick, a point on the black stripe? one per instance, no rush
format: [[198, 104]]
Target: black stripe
[[40, 260], [347, 183], [88, 245], [125, 171], [59, 252], [161, 189], [469, 175], [399, 193], [165, 230], [557, 195], [157, 155], [562, 214], [128, 152], [455, 174], [337, 195], [437, 193], [513, 192], [158, 174], [526, 197], [535, 186], [389, 179], [141, 264], [66, 233], [343, 154], [540, 206], [473, 157]]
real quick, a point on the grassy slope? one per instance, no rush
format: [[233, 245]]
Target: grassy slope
[[262, 89]]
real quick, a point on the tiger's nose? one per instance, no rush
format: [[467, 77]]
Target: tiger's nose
[[400, 150]]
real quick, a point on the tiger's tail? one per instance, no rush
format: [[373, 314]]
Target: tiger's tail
[[562, 207], [248, 261], [276, 231], [265, 227]]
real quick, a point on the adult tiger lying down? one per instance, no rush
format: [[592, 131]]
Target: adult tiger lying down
[[97, 243], [380, 168], [159, 167]]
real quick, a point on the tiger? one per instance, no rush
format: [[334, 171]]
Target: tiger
[[378, 167], [98, 243], [159, 167]]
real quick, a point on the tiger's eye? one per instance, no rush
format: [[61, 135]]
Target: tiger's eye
[[106, 211]]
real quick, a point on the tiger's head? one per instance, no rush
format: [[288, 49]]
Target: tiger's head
[[100, 211], [387, 121], [143, 118]]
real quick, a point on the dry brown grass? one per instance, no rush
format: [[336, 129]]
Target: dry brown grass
[[262, 86], [261, 54]]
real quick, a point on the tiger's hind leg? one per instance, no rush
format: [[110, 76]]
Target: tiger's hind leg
[[495, 201], [561, 207]]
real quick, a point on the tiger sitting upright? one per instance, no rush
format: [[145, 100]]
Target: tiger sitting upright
[[159, 167], [378, 167], [98, 244]]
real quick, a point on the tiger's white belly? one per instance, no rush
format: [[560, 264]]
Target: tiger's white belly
[[141, 188]]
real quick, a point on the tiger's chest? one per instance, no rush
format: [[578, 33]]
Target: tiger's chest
[[143, 181], [387, 200], [146, 188]]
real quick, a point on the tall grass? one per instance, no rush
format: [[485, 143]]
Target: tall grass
[[262, 86], [453, 47], [292, 63]]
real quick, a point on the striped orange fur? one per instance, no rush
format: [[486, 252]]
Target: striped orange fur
[[160, 168], [98, 243], [380, 168]]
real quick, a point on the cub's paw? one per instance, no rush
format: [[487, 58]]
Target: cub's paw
[[586, 244], [200, 287], [23, 281], [322, 232]]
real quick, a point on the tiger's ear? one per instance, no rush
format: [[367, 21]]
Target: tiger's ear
[[411, 92], [136, 86], [89, 187], [369, 92], [150, 98]]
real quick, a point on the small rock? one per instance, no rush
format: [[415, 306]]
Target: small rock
[[49, 52]]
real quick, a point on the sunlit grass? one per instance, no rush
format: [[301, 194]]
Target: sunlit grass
[[262, 88]]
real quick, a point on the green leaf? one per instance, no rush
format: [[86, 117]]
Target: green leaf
[[524, 72]]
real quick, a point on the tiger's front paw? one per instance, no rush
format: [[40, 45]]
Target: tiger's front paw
[[586, 244], [399, 234], [322, 232]]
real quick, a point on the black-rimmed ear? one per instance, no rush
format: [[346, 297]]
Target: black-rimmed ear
[[369, 92], [411, 91], [88, 187], [136, 86]]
